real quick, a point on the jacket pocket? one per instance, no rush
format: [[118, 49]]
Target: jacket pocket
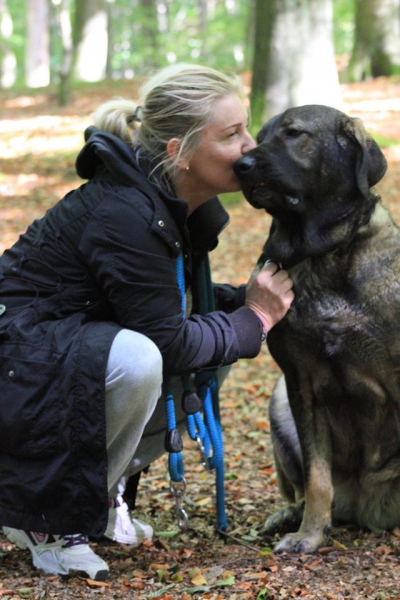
[[29, 402]]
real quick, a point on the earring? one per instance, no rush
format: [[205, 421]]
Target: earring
[[187, 169]]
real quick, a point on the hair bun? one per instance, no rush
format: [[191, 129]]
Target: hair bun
[[136, 116]]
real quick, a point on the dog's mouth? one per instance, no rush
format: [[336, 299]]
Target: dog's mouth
[[261, 195]]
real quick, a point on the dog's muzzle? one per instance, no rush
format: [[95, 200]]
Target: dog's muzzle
[[243, 165], [245, 170]]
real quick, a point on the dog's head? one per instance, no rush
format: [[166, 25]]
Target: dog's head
[[312, 171]]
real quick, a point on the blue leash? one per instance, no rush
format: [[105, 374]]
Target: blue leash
[[207, 432]]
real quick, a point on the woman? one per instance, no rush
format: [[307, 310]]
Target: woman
[[92, 313]]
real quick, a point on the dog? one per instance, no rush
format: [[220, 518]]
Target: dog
[[335, 413]]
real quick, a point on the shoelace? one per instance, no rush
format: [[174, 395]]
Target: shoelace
[[115, 502], [76, 539]]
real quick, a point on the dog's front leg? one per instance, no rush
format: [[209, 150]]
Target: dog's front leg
[[315, 441]]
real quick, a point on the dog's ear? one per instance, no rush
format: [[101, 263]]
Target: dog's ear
[[371, 164]]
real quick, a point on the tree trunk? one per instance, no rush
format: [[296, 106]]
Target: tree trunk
[[249, 34], [8, 61], [90, 40], [37, 59], [65, 29], [376, 50], [265, 16], [203, 29], [110, 38], [294, 59], [150, 50]]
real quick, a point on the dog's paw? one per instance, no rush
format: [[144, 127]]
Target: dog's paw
[[300, 542], [285, 520]]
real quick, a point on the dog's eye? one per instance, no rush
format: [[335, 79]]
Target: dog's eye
[[293, 133], [259, 137]]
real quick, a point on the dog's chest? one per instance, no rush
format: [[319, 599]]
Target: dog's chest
[[331, 337], [343, 308], [325, 321], [338, 344]]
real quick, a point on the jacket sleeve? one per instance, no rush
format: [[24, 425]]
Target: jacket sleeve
[[229, 298], [136, 269]]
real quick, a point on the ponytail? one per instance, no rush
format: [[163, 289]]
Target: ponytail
[[120, 117]]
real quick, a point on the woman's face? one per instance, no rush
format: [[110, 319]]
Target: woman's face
[[221, 144]]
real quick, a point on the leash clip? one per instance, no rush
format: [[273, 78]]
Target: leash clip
[[203, 456], [178, 489]]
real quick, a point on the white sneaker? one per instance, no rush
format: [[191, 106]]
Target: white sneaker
[[59, 554], [123, 528]]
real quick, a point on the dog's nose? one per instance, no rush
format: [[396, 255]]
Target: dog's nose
[[243, 164]]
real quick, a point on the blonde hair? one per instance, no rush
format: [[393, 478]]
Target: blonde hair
[[177, 102]]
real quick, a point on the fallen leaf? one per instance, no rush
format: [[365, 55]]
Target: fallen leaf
[[384, 550], [93, 583], [160, 594], [25, 592], [225, 582], [167, 534], [197, 578]]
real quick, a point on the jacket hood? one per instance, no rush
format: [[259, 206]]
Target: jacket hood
[[107, 151]]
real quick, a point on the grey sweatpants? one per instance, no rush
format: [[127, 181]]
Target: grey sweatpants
[[135, 408]]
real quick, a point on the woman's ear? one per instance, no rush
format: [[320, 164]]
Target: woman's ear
[[173, 147]]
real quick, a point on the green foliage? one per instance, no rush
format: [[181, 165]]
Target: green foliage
[[142, 38], [17, 10], [145, 34], [257, 114], [385, 142], [179, 35], [343, 25], [231, 199]]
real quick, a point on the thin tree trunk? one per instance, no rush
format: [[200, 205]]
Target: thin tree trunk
[[110, 36], [150, 50], [249, 38], [265, 14], [203, 28], [8, 61], [37, 59], [65, 28]]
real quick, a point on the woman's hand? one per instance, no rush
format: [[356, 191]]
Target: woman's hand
[[269, 294]]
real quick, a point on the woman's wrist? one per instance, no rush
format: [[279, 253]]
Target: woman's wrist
[[263, 328]]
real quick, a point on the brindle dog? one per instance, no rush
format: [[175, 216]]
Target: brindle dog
[[335, 417]]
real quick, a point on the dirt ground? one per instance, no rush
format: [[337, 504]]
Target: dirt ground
[[198, 563]]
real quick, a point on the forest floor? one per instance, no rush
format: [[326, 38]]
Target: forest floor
[[38, 145]]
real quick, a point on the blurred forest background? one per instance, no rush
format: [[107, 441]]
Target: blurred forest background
[[293, 51]]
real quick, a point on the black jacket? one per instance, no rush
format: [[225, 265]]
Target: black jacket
[[102, 259]]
